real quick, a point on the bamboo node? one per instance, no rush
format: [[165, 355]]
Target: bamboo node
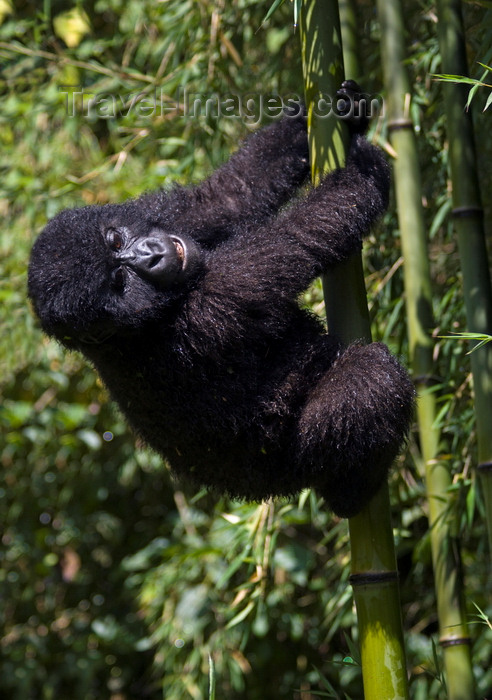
[[485, 466], [373, 577], [454, 641], [471, 211], [397, 124]]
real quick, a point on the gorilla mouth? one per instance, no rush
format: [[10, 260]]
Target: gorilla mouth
[[180, 252]]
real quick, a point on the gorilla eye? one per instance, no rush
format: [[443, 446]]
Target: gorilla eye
[[115, 239], [118, 278]]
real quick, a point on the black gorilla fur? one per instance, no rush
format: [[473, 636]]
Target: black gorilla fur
[[220, 371]]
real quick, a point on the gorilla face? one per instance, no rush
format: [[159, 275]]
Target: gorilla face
[[107, 272], [164, 260]]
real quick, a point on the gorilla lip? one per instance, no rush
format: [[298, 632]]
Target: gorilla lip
[[179, 251]]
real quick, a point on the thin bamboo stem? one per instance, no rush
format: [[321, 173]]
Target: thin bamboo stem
[[445, 552], [468, 223], [374, 575]]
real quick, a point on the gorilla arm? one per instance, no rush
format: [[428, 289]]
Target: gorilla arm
[[252, 281], [264, 174], [249, 188]]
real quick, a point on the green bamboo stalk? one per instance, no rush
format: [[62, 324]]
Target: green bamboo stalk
[[374, 576], [468, 223], [349, 23], [445, 552]]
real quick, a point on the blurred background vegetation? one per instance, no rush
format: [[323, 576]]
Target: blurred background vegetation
[[113, 583]]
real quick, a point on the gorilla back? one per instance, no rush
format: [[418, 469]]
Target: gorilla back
[[186, 303]]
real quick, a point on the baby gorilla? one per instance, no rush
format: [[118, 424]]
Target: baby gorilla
[[185, 302]]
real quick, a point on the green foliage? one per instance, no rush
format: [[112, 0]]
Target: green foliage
[[73, 504], [114, 583], [473, 82]]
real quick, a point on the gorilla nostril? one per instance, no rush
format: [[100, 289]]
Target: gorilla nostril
[[154, 260]]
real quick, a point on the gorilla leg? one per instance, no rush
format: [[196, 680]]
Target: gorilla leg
[[353, 424]]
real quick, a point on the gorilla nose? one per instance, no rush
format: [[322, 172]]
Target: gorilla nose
[[155, 259], [154, 253]]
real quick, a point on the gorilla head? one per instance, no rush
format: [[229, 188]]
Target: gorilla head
[[138, 266]]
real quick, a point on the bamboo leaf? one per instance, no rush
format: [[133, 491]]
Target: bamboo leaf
[[450, 78], [212, 681], [354, 651], [470, 504], [272, 9], [241, 615], [483, 616], [440, 216], [487, 68], [233, 566], [481, 338], [472, 94], [325, 683], [297, 10]]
